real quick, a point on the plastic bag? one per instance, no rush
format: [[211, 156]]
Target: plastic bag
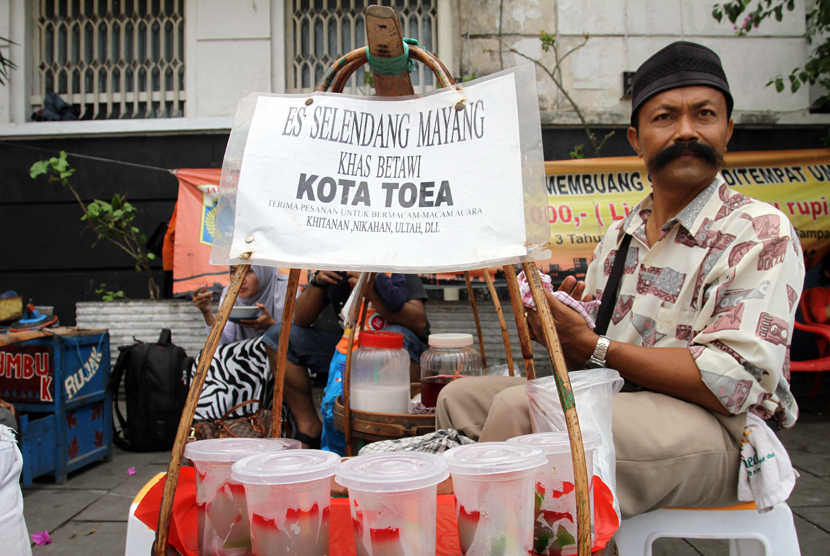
[[594, 391]]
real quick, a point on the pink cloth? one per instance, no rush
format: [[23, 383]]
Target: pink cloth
[[584, 308]]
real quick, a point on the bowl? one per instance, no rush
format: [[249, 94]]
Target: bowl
[[242, 313]]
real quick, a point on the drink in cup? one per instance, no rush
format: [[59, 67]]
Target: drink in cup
[[554, 522], [393, 501], [288, 494], [221, 514], [493, 484]]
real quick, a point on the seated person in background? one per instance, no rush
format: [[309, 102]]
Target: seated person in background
[[8, 416], [264, 287], [398, 298], [820, 297]]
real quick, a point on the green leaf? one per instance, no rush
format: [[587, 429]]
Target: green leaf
[[717, 13], [779, 13], [38, 168], [795, 85], [142, 238], [779, 84], [151, 256]]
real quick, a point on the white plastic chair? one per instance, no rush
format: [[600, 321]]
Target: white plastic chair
[[140, 538], [749, 533]]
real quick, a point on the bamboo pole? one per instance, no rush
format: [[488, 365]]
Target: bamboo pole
[[347, 371], [521, 323], [285, 333], [507, 349], [566, 398], [165, 512], [472, 297]]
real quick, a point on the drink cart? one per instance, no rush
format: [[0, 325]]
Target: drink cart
[[57, 380]]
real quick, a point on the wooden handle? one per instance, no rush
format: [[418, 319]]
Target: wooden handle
[[347, 371], [385, 38], [521, 322], [285, 333], [504, 334], [165, 512], [473, 305], [566, 398]]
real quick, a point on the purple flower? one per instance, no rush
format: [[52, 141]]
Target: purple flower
[[131, 471], [41, 538]]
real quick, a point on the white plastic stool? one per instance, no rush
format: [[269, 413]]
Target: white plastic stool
[[140, 538], [749, 533]]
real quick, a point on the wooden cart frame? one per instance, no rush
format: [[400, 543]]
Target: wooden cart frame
[[385, 40]]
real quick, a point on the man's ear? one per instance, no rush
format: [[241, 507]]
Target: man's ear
[[634, 139], [730, 127]]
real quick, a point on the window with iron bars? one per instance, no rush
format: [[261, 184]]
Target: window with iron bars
[[324, 30], [111, 59]]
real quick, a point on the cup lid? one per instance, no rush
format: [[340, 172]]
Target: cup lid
[[487, 458], [234, 449], [558, 442], [392, 472], [381, 339], [285, 467], [450, 340]]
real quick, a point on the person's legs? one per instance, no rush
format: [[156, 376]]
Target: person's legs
[[308, 348], [464, 404]]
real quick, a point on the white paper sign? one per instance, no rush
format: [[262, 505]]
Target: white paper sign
[[374, 184]]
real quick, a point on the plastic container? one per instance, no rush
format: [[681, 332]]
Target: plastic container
[[449, 357], [289, 495], [555, 499], [493, 484], [380, 373], [221, 514], [393, 501]]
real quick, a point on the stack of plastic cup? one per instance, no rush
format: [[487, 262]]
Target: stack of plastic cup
[[493, 484], [221, 514], [393, 501], [555, 500], [289, 494]]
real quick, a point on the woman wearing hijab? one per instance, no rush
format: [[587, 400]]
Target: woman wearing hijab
[[263, 287]]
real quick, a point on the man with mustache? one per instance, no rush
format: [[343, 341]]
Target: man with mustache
[[700, 319]]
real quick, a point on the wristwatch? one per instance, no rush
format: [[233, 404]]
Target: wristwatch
[[597, 360], [313, 282]]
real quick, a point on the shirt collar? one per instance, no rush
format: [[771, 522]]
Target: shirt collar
[[705, 205]]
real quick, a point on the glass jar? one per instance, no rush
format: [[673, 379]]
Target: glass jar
[[379, 380], [449, 357]]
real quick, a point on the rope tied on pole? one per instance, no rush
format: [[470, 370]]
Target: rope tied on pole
[[393, 66]]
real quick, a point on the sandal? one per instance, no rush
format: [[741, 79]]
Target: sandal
[[313, 443]]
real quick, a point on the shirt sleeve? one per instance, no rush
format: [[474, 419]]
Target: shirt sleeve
[[741, 336], [229, 332], [393, 290]]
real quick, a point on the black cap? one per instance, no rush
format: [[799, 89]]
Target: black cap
[[680, 64]]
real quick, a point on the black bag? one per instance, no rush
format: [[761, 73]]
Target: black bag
[[155, 394]]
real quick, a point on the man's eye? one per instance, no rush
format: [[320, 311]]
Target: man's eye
[[706, 113], [662, 117]]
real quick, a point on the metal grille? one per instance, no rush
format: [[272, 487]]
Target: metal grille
[[324, 30], [112, 58]]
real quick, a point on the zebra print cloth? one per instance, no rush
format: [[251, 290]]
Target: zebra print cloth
[[238, 372]]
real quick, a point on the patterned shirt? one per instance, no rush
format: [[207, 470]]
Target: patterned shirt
[[723, 280]]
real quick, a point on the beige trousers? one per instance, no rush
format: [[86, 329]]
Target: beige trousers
[[670, 453]]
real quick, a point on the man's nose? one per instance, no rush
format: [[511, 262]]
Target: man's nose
[[685, 129]]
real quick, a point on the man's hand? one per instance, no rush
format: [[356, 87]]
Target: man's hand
[[263, 322], [327, 277], [6, 405]]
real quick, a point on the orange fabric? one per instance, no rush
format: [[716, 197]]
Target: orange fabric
[[818, 302], [195, 225], [167, 249]]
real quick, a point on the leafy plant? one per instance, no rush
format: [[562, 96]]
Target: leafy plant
[[108, 295], [817, 68], [578, 152], [111, 221], [6, 65], [555, 74]]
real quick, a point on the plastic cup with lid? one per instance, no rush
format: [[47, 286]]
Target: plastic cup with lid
[[221, 514], [555, 500], [493, 484], [393, 501], [289, 494]]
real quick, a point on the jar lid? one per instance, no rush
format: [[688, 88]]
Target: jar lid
[[392, 472], [286, 467], [381, 339], [450, 340], [234, 449], [488, 458], [558, 442]]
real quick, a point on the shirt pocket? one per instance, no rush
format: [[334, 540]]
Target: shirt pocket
[[675, 322]]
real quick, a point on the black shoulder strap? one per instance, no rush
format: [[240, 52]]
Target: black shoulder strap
[[121, 365], [609, 295], [165, 337]]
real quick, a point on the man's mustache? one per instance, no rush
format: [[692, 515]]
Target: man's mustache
[[709, 155]]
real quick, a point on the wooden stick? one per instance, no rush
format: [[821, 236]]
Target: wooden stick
[[521, 322], [566, 398], [385, 39], [163, 532], [347, 371], [475, 316], [285, 333], [507, 350]]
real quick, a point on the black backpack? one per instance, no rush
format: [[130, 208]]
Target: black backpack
[[155, 394]]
